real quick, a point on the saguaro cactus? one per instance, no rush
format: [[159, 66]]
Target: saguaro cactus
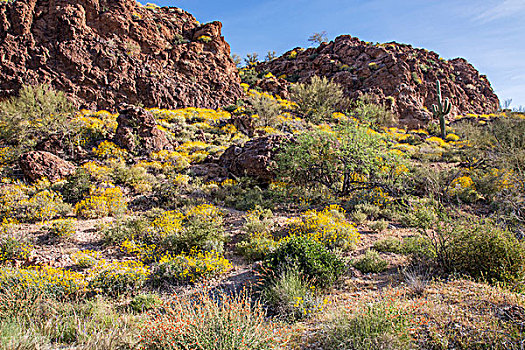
[[441, 110]]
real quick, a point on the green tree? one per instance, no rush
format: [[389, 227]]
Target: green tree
[[351, 158], [318, 99]]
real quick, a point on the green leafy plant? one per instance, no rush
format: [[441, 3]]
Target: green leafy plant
[[371, 262], [37, 114], [318, 99], [320, 266]]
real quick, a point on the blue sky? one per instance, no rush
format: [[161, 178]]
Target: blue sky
[[488, 33]]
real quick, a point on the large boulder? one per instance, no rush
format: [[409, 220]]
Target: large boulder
[[255, 159], [401, 77], [106, 52], [138, 132], [38, 164]]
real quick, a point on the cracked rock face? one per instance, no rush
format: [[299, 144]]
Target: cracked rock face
[[106, 52], [401, 77]]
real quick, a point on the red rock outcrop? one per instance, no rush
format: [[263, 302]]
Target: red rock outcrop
[[106, 52], [38, 164], [137, 131], [255, 159], [401, 77]]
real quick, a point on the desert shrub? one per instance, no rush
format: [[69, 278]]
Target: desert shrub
[[379, 225], [389, 245], [420, 213], [480, 249], [211, 323], [256, 246], [265, 107], [379, 325], [135, 176], [258, 220], [60, 229], [290, 296], [372, 211], [102, 202], [45, 205], [371, 262], [202, 228], [31, 203], [317, 264], [117, 277], [107, 149], [85, 258], [373, 113], [346, 160], [41, 281], [37, 114], [13, 249], [497, 152], [191, 267], [329, 227], [127, 229], [359, 217], [76, 186], [144, 302], [318, 99]]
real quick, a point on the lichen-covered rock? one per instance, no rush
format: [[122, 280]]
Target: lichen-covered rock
[[38, 164], [137, 131], [106, 52], [401, 77], [255, 159]]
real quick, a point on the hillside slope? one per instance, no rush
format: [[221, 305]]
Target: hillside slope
[[397, 75]]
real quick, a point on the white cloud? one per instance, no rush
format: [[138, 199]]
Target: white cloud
[[504, 9]]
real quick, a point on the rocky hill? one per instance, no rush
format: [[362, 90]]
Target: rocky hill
[[105, 52], [397, 75]]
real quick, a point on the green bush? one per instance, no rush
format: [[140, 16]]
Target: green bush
[[480, 249], [379, 325], [117, 278], [379, 225], [266, 108], [290, 296], [373, 113], [37, 114], [60, 229], [318, 99], [77, 186], [345, 160], [371, 263], [144, 302], [389, 245], [188, 268], [317, 264], [256, 247], [197, 232]]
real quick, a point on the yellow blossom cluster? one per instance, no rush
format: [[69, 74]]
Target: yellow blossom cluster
[[329, 227], [191, 267], [102, 202]]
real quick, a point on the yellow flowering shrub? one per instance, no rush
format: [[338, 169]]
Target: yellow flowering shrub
[[60, 228], [12, 249], [117, 277], [99, 172], [45, 205], [329, 227], [102, 202], [190, 267], [85, 258], [437, 141], [463, 188], [166, 224], [107, 149], [96, 125], [44, 280]]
